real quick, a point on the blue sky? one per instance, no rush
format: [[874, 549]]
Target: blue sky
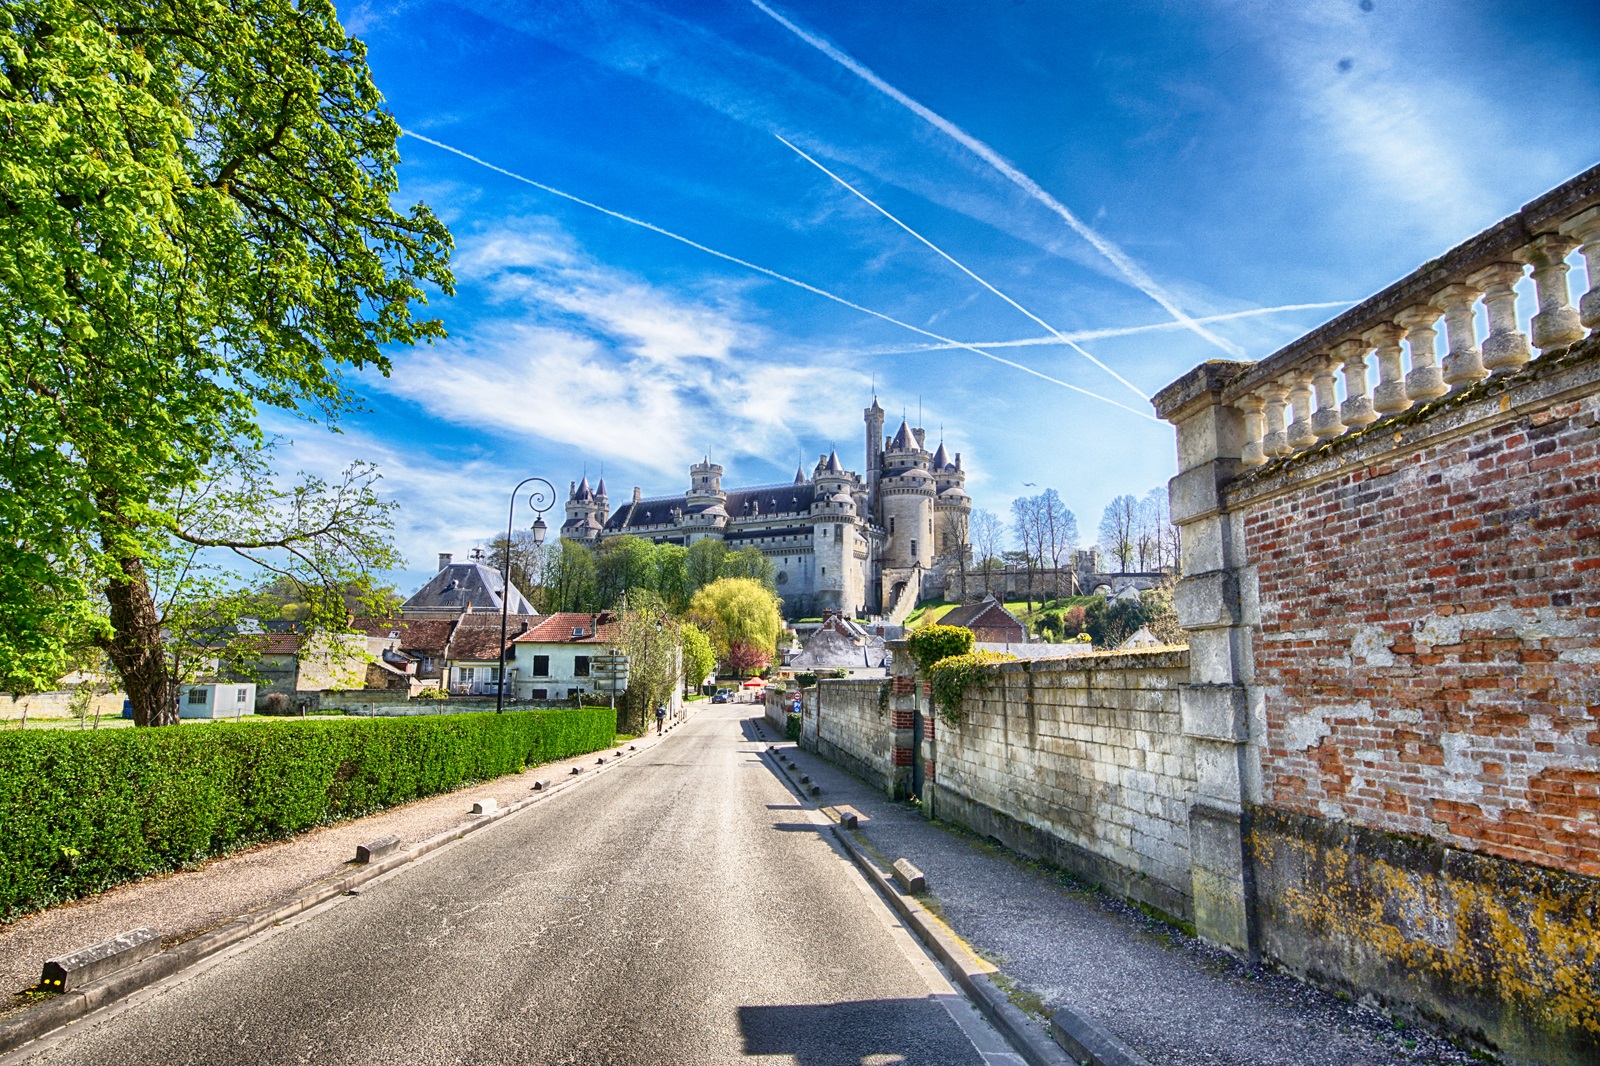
[[1190, 161]]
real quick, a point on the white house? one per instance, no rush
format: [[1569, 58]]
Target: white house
[[228, 699], [555, 658], [472, 657]]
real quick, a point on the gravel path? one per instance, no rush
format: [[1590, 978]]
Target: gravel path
[[1176, 1000], [184, 904]]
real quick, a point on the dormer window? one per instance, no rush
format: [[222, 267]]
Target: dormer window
[[577, 631]]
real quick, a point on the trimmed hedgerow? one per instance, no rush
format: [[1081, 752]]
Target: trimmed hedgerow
[[82, 811], [932, 643]]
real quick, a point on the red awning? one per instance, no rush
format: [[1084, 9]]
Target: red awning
[[755, 682]]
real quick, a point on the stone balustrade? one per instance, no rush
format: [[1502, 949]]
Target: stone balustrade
[[1290, 400]]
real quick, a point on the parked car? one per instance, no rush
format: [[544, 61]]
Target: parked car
[[720, 697]]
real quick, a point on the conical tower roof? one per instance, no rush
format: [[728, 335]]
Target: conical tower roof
[[834, 466], [799, 475], [600, 489], [583, 492], [903, 440], [941, 458]]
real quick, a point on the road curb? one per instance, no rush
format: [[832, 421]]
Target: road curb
[[40, 1020], [1027, 1037]]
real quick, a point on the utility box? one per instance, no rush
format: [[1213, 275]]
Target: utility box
[[220, 700]]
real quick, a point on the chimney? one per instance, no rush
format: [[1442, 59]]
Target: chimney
[[638, 494], [444, 560]]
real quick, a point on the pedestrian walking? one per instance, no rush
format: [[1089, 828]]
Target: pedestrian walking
[[661, 717]]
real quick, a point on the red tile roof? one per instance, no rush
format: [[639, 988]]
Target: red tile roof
[[602, 628]]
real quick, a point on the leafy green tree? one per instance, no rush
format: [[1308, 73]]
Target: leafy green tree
[[651, 640], [751, 563], [704, 562], [741, 617], [569, 578], [672, 576], [195, 223], [699, 658], [623, 564], [527, 563]]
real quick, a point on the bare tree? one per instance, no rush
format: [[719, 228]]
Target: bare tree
[[1118, 530], [1030, 525], [986, 532], [1060, 528], [1158, 538]]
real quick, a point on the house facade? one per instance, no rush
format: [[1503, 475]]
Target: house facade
[[555, 658]]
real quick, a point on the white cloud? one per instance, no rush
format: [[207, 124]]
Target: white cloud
[[597, 359]]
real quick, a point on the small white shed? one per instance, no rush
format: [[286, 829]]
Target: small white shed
[[216, 700]]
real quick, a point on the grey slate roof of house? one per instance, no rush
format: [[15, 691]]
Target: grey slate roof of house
[[463, 585], [772, 499]]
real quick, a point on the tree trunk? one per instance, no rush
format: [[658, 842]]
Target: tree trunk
[[135, 647]]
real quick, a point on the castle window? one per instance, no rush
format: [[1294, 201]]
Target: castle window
[[891, 523], [913, 548], [824, 571]]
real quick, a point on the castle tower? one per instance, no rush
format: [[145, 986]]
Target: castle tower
[[584, 514], [873, 416], [705, 510], [840, 581], [952, 507], [907, 490], [602, 505]]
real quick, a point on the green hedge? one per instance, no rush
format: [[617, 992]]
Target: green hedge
[[82, 811]]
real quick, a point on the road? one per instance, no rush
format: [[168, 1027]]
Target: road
[[681, 908]]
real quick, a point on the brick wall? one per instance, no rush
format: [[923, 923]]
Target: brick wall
[[1081, 762], [1428, 646]]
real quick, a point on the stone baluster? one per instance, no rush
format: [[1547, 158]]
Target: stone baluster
[[1326, 421], [1252, 454], [1426, 380], [1505, 349], [1390, 395], [1276, 441], [1556, 325], [1299, 434], [1356, 411], [1585, 227], [1463, 364]]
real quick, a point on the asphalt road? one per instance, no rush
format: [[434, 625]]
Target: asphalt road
[[681, 908]]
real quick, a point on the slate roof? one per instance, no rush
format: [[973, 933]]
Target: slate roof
[[463, 585], [419, 637], [987, 613], [477, 636], [840, 643], [774, 499], [602, 628]]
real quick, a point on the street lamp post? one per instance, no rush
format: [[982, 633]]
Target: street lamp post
[[541, 500]]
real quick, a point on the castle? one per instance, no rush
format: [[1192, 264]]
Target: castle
[[860, 545]]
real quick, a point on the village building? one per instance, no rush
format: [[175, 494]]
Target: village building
[[554, 658], [989, 621]]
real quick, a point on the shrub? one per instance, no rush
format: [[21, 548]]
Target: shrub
[[950, 678], [431, 692], [276, 703], [791, 726], [805, 680], [87, 810], [932, 643]]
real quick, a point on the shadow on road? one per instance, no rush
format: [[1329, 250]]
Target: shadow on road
[[875, 1032]]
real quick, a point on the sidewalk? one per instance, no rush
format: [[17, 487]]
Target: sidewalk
[[1172, 998], [183, 905]]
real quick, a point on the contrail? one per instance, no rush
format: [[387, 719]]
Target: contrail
[[1118, 258], [943, 341], [1112, 331], [864, 198]]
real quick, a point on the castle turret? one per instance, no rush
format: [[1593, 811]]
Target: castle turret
[[952, 507], [840, 583], [874, 419], [907, 490], [584, 514], [705, 505]]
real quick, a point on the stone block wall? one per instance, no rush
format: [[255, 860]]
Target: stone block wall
[[848, 721], [1081, 762]]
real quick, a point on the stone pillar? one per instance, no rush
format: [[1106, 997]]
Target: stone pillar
[[1505, 349], [902, 718], [1390, 395], [1556, 325], [1356, 411], [1585, 228], [1255, 428], [1464, 362], [1276, 441], [1326, 421], [1300, 434], [1426, 380], [1214, 601]]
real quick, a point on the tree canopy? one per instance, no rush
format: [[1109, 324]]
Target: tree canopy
[[741, 617], [195, 224]]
